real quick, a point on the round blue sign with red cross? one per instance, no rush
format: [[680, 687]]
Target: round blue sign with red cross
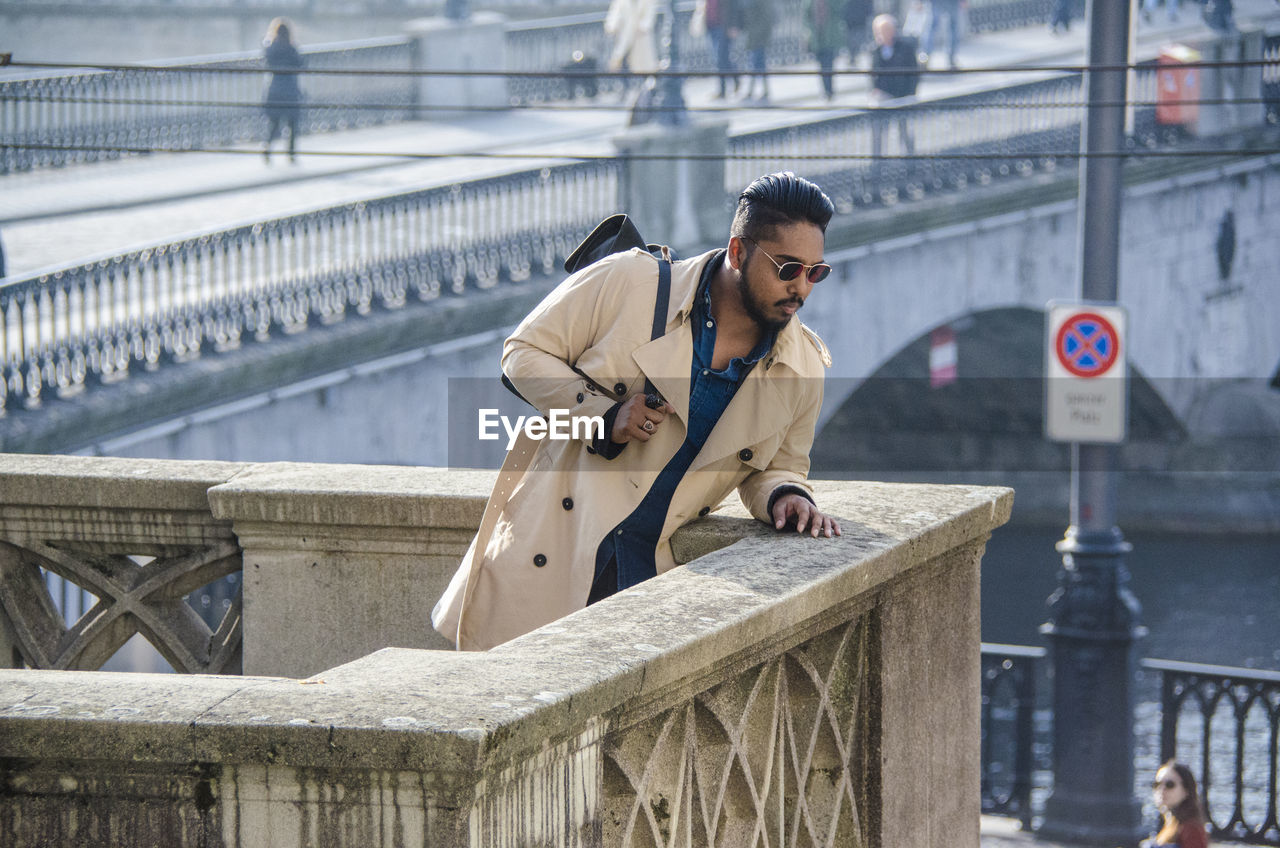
[[1087, 345]]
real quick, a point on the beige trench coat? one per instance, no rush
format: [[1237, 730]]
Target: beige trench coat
[[533, 560]]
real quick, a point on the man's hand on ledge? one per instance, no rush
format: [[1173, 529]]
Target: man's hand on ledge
[[791, 507]]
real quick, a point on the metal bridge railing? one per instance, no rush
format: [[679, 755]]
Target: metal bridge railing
[[969, 139], [1008, 705], [94, 322], [94, 115], [57, 119], [1225, 724]]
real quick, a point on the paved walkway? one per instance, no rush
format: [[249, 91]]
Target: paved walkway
[[64, 216]]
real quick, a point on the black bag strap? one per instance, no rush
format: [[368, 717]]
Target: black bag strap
[[660, 306], [661, 303]]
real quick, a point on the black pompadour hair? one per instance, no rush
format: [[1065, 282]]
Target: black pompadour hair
[[781, 198]]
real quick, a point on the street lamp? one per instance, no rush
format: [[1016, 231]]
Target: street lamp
[[1095, 621]]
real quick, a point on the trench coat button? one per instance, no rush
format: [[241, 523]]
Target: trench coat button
[[567, 503], [581, 397], [704, 511], [745, 454], [540, 560], [619, 388]]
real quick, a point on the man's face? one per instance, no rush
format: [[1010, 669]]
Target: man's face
[[769, 300]]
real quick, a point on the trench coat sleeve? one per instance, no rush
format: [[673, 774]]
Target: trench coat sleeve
[[790, 465], [539, 356]]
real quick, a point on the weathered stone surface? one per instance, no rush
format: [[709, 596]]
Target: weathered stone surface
[[541, 741], [85, 481]]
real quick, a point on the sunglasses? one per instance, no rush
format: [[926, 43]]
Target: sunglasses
[[1167, 784], [788, 271]]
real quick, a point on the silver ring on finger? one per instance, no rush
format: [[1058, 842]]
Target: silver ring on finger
[[647, 426]]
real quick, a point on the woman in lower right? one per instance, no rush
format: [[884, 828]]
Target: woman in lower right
[[1179, 801]]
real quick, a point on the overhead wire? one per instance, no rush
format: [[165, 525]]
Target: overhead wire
[[1134, 153], [592, 106], [566, 73]]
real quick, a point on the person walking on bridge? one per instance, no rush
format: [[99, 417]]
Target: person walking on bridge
[[895, 73], [283, 103], [630, 23], [736, 388], [826, 37]]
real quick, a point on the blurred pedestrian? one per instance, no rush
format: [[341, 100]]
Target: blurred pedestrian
[[284, 96], [1060, 17], [1182, 820], [939, 9], [825, 19], [1220, 16], [857, 27], [895, 73], [721, 20], [759, 20], [630, 23]]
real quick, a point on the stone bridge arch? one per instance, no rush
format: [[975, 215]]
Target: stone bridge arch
[[988, 418]]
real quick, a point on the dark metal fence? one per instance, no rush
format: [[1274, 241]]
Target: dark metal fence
[[1225, 724], [1222, 722], [1008, 704], [56, 119]]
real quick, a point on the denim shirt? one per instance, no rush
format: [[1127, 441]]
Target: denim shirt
[[634, 542]]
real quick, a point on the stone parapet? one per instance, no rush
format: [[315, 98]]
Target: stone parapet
[[356, 554], [822, 691]]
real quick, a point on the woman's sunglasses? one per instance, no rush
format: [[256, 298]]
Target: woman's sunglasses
[[1167, 784], [788, 271]]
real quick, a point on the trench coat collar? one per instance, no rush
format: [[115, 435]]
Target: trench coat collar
[[757, 410]]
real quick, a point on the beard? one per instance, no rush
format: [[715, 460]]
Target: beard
[[756, 307]]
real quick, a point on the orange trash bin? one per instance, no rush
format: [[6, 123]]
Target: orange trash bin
[[1177, 86]]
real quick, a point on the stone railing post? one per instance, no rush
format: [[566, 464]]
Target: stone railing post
[[478, 43], [674, 200], [340, 561]]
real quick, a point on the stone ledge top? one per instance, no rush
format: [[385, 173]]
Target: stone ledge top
[[354, 495], [449, 712], [111, 482]]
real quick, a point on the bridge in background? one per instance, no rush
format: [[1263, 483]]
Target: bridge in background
[[325, 315]]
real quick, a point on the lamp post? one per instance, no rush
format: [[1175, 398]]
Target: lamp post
[[662, 100], [1094, 624]]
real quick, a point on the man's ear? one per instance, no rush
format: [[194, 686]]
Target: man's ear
[[737, 253]]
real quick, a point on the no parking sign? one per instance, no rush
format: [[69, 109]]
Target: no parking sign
[[1086, 390]]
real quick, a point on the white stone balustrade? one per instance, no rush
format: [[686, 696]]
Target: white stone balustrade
[[776, 690]]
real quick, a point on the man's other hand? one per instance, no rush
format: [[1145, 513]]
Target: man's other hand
[[637, 421], [793, 507]]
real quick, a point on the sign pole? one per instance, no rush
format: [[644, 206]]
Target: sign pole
[[1094, 622]]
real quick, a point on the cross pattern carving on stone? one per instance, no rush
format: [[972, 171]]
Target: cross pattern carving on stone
[[133, 598], [773, 758]]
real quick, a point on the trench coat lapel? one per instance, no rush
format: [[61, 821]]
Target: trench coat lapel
[[666, 362], [755, 412]]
